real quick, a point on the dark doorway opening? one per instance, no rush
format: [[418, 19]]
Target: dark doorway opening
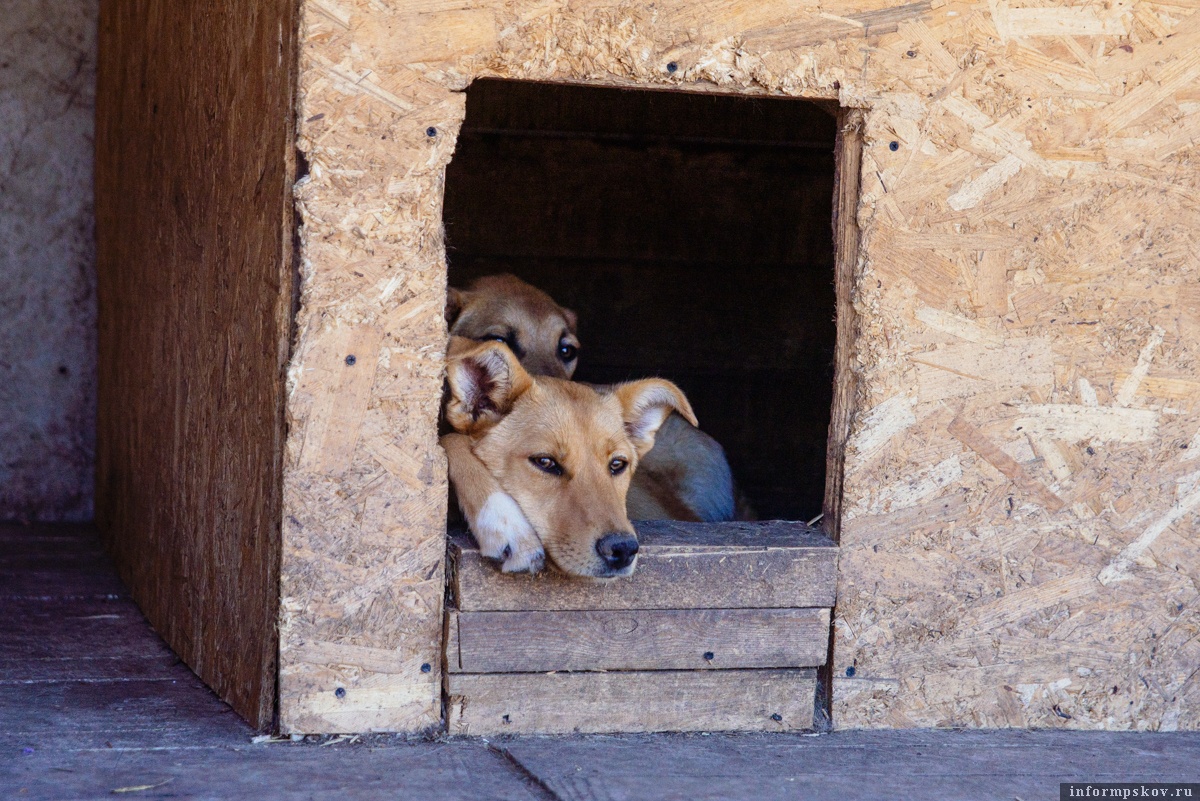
[[692, 233]]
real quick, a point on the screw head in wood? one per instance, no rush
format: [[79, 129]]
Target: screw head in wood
[[351, 360], [672, 67], [340, 692], [893, 146], [709, 656], [431, 132], [777, 717], [850, 671], [425, 668]]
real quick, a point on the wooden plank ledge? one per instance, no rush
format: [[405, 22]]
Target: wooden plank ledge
[[660, 639], [680, 566], [565, 703]]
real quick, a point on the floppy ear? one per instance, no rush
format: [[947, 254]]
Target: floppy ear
[[646, 405], [572, 320], [456, 299], [485, 380]]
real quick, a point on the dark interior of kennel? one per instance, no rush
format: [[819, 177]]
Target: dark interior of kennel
[[692, 235]]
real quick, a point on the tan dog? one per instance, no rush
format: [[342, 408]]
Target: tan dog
[[506, 309], [557, 459], [685, 477]]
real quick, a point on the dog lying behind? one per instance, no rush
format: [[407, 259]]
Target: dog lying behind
[[685, 477], [557, 455]]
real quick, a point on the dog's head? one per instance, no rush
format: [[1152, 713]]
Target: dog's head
[[564, 451], [505, 309]]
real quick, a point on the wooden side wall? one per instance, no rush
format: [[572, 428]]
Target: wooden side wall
[[1018, 529], [194, 147]]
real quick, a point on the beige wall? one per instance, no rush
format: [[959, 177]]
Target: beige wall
[[47, 277], [1019, 539]]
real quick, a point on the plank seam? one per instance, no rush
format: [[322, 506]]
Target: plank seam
[[530, 777]]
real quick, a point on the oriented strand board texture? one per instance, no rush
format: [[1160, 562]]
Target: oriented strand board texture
[[193, 199], [47, 259], [1028, 269]]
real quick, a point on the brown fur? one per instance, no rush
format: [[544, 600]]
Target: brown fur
[[509, 422], [685, 477], [535, 328]]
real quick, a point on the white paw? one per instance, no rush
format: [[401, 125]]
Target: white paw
[[505, 535]]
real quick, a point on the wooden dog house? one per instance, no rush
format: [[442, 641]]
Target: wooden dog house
[[1018, 329]]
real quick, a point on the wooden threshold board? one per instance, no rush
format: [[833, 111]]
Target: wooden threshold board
[[654, 639], [719, 629], [771, 565], [642, 701]]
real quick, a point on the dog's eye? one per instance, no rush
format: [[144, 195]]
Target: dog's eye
[[567, 352], [617, 466], [546, 464], [495, 338]]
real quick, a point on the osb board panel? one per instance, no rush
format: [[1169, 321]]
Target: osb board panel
[[1027, 267], [635, 701], [193, 205]]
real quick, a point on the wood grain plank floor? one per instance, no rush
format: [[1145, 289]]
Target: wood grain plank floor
[[913, 764], [92, 702]]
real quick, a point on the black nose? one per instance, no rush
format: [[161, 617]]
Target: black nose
[[617, 550]]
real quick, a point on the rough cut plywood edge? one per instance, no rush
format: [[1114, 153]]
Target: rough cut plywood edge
[[588, 703], [847, 252]]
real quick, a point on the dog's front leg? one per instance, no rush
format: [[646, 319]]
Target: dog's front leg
[[498, 524]]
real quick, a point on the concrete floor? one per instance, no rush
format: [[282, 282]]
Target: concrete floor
[[93, 705]]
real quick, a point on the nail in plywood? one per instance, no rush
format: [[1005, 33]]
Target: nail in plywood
[[342, 375], [680, 566], [974, 439], [717, 700], [660, 639]]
